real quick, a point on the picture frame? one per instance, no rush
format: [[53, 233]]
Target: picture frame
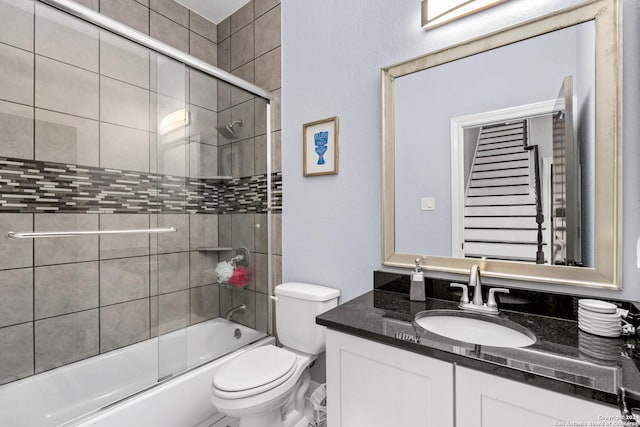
[[320, 147]]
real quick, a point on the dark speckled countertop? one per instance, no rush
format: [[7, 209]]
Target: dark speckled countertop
[[563, 358]]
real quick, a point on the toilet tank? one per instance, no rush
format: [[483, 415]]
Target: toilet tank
[[297, 306]]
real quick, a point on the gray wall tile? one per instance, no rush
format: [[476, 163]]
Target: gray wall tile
[[66, 38], [171, 77], [261, 233], [267, 31], [268, 70], [243, 160], [65, 339], [65, 249], [242, 231], [124, 279], [203, 26], [276, 151], [262, 314], [66, 89], [171, 156], [261, 274], [247, 73], [128, 12], [203, 160], [16, 357], [224, 160], [177, 241], [172, 10], [202, 125], [246, 113], [224, 29], [277, 269], [224, 54], [124, 324], [261, 116], [203, 90], [224, 230], [242, 17], [203, 230], [276, 105], [119, 246], [124, 148], [173, 311], [263, 6], [65, 288], [233, 297], [261, 154], [124, 104], [16, 304], [16, 75], [205, 303], [203, 48], [203, 268], [173, 272], [16, 130], [66, 139], [15, 253], [153, 308], [242, 47], [224, 99], [124, 60], [16, 23], [168, 31]]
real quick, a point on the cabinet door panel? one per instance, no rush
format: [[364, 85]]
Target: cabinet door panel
[[484, 400], [375, 385]]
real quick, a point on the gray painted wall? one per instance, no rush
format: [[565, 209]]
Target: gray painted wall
[[332, 55]]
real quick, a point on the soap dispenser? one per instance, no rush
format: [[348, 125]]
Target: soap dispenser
[[417, 291]]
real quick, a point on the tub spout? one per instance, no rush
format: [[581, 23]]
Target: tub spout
[[234, 310]]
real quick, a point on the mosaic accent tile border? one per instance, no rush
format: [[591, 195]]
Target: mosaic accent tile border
[[31, 186]]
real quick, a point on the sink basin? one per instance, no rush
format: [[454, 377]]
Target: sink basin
[[475, 328]]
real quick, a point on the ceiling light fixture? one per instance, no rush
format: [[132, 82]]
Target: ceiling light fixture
[[440, 12]]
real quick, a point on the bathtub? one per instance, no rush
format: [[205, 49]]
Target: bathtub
[[73, 395]]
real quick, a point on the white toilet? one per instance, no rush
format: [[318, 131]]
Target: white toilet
[[265, 386]]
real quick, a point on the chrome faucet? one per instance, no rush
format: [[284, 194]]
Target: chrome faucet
[[234, 310], [490, 307]]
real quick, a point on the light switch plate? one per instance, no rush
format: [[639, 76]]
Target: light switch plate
[[427, 204]]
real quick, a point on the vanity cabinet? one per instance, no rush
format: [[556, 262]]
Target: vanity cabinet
[[487, 400], [376, 385]]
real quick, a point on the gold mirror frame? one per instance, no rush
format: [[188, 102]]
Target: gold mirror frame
[[606, 273]]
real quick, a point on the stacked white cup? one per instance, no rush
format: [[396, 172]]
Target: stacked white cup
[[600, 317]]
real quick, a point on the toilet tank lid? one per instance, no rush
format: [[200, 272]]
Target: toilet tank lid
[[307, 291]]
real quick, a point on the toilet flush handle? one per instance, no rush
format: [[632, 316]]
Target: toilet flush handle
[[273, 297]]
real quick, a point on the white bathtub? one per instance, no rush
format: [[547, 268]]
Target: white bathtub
[[65, 395]]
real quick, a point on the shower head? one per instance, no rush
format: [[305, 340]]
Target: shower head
[[228, 131]]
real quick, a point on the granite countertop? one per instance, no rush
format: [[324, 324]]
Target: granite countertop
[[563, 359]]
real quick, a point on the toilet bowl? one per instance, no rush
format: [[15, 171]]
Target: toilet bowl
[[265, 386]]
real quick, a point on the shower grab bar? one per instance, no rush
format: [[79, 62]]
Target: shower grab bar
[[37, 235]]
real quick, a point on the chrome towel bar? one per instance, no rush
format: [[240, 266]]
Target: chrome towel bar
[[37, 235]]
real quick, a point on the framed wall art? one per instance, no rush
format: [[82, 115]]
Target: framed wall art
[[320, 147]]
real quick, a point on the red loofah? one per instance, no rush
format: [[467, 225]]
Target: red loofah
[[241, 277]]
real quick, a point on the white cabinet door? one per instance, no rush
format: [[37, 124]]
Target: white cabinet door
[[484, 400], [375, 385]]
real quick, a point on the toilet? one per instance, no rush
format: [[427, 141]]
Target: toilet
[[265, 386]]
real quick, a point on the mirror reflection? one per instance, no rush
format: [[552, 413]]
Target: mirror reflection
[[494, 153]]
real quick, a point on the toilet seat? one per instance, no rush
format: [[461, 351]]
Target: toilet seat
[[254, 372]]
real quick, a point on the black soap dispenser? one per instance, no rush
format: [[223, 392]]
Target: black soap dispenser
[[417, 291]]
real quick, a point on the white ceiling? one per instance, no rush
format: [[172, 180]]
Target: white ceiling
[[214, 10]]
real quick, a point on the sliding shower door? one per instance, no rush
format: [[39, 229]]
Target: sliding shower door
[[135, 156]]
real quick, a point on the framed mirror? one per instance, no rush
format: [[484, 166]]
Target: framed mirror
[[504, 151]]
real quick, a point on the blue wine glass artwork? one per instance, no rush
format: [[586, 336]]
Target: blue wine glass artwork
[[321, 139]]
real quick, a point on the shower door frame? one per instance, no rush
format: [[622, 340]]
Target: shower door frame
[[142, 39]]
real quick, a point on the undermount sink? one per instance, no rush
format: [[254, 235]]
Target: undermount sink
[[475, 328]]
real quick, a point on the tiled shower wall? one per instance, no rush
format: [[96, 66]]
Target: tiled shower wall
[[71, 94], [249, 45]]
